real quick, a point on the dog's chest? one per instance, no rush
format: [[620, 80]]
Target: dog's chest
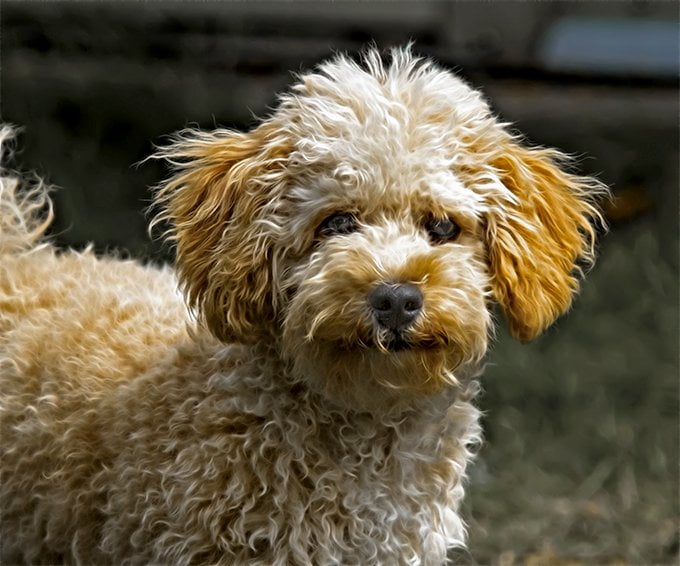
[[366, 491], [315, 485]]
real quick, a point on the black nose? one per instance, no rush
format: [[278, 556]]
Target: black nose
[[396, 306]]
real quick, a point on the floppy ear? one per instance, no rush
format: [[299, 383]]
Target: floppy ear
[[214, 203], [538, 239]]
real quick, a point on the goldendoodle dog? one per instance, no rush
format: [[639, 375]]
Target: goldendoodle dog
[[305, 397]]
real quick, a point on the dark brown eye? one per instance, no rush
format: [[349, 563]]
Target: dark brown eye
[[442, 229], [338, 223]]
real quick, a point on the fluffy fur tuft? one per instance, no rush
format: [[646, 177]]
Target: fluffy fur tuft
[[25, 208], [308, 398]]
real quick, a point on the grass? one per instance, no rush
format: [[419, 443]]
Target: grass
[[580, 463]]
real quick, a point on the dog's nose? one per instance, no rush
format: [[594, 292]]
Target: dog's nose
[[396, 306]]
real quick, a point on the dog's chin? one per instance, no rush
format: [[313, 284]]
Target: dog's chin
[[374, 376]]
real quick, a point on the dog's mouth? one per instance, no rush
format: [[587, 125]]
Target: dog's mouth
[[394, 343], [397, 343]]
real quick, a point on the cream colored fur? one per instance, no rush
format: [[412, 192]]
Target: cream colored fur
[[263, 416]]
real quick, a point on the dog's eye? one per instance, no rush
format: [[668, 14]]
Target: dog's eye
[[442, 229], [338, 223]]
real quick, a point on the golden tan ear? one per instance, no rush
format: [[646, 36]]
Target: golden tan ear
[[537, 241], [222, 185]]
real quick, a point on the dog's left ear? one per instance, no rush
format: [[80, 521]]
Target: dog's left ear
[[538, 238], [219, 204]]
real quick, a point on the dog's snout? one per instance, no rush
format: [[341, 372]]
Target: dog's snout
[[396, 306]]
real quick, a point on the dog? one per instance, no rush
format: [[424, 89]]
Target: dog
[[306, 396]]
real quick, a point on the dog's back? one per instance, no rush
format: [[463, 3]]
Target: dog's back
[[73, 327], [106, 312]]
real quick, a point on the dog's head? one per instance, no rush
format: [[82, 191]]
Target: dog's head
[[367, 226]]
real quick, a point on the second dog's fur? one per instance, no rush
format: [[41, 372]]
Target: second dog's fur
[[310, 403]]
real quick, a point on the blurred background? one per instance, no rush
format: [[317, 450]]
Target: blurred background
[[581, 460]]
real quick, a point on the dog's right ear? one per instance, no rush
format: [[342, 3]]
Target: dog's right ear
[[214, 203]]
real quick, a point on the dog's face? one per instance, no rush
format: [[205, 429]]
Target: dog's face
[[368, 225]]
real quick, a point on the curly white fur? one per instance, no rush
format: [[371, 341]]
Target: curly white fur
[[271, 420]]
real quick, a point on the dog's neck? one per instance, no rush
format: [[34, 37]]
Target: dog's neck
[[269, 377]]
